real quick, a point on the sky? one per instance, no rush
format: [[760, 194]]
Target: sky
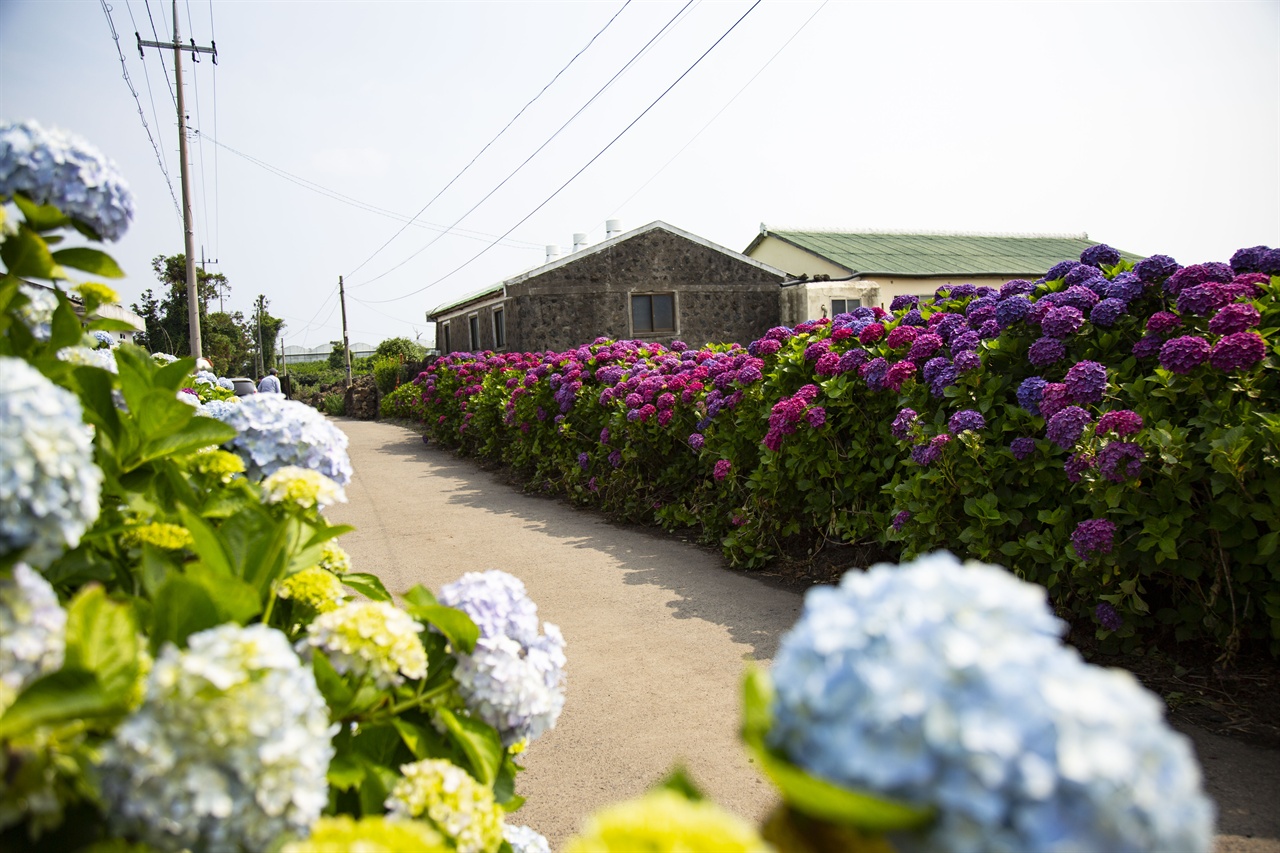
[[426, 150]]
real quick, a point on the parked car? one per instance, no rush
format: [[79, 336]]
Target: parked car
[[244, 386]]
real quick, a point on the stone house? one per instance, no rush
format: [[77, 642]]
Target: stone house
[[656, 283], [845, 270]]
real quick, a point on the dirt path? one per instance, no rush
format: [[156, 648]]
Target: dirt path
[[657, 634]]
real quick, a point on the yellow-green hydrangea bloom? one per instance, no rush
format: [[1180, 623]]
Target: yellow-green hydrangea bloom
[[335, 559], [344, 834], [316, 588], [96, 292], [169, 537], [666, 821], [371, 638], [301, 486], [454, 803], [218, 463]]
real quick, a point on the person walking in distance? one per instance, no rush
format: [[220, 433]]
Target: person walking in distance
[[270, 383]]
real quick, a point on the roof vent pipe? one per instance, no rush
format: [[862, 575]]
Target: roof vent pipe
[[553, 252], [579, 241], [612, 228]]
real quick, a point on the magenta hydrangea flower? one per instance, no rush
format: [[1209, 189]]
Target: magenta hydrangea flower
[[901, 336], [1120, 460], [1062, 322], [1022, 447], [1046, 351], [1184, 354], [899, 373], [966, 419], [1238, 351], [1163, 322], [1086, 382], [924, 346], [1093, 538], [1053, 399], [870, 334], [768, 346], [828, 364], [721, 469], [1122, 422], [1066, 427]]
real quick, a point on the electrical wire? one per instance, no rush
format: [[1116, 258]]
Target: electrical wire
[[569, 121], [142, 115], [573, 177], [156, 36], [356, 203], [495, 139], [195, 78], [146, 75], [728, 104], [217, 229]]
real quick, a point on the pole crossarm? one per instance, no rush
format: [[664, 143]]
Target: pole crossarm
[[174, 45]]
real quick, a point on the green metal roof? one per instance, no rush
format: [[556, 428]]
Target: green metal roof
[[940, 254]]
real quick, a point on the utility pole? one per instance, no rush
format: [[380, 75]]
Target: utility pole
[[193, 296], [261, 363], [346, 346]]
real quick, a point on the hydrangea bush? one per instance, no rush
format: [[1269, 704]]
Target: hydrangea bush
[[1004, 423], [187, 658]]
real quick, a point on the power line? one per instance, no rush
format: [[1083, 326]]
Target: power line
[[146, 75], [573, 177], [217, 229], [491, 141], [156, 36], [361, 205], [711, 121], [125, 71], [569, 121]]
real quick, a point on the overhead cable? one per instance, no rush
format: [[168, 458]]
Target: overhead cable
[[585, 166], [491, 141]]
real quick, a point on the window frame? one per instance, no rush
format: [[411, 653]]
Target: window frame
[[473, 331], [845, 301], [444, 333], [499, 323], [653, 330]]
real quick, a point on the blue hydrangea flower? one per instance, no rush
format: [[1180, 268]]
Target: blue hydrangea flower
[[514, 679], [53, 167], [49, 484], [276, 432], [946, 685], [37, 314]]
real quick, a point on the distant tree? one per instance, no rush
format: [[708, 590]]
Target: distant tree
[[402, 349], [265, 328], [226, 343], [167, 326], [338, 355]]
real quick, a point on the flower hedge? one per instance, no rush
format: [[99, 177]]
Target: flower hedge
[[1109, 431]]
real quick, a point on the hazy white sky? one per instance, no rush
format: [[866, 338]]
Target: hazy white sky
[[325, 126]]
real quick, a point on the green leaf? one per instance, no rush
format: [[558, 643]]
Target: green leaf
[[367, 585], [453, 623], [346, 772], [207, 543], [102, 638], [67, 694], [422, 741], [197, 432], [26, 255], [420, 596], [182, 607], [41, 217], [678, 780], [93, 261], [235, 600], [479, 742], [333, 687], [107, 324]]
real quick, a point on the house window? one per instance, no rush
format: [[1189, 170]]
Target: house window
[[473, 322], [447, 349], [499, 329], [844, 306], [653, 312]]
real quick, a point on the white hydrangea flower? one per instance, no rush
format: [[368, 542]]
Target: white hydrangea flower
[[275, 431], [163, 358], [947, 685], [514, 679], [190, 399], [88, 357], [33, 631], [217, 409], [37, 314], [525, 840], [335, 558], [303, 487], [55, 167], [230, 749], [372, 638], [455, 804], [49, 484]]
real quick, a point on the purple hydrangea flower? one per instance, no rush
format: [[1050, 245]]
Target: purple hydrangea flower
[[925, 454], [1120, 460], [1203, 299], [852, 360], [1011, 310], [1100, 255], [1077, 464], [970, 340], [615, 459], [902, 302], [1163, 322], [696, 440], [967, 360], [901, 426], [1062, 322], [1082, 276], [1060, 270], [1237, 351], [1066, 427], [1184, 354], [1046, 351], [1053, 399], [1029, 393], [1155, 269], [817, 416], [1017, 287], [1086, 382], [932, 368], [584, 461], [912, 318], [1126, 287], [1022, 447], [924, 346], [1249, 260], [1122, 422], [900, 520], [945, 378], [1234, 318], [1148, 346], [1093, 538], [966, 419], [874, 373], [1197, 274], [1108, 617], [1107, 312]]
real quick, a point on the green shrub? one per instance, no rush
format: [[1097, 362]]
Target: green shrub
[[386, 373], [334, 404]]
